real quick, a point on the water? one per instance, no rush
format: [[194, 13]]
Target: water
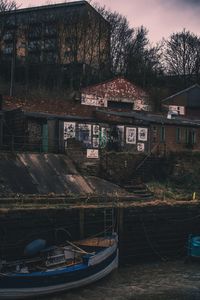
[[154, 281]]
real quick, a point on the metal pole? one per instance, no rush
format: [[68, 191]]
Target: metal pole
[[13, 61]]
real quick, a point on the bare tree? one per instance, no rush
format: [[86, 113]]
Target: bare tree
[[182, 54], [6, 5]]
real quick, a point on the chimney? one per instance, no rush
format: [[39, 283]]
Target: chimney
[[1, 102]]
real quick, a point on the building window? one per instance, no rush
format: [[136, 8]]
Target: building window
[[190, 136], [162, 134], [193, 137], [178, 134]]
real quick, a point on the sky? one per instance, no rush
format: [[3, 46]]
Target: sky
[[160, 17]]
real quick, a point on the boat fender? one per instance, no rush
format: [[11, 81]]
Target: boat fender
[[34, 247]]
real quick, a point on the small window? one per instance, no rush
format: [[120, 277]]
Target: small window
[[162, 134], [178, 134], [186, 136], [193, 137], [190, 136]]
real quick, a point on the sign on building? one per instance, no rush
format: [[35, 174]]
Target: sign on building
[[93, 100], [179, 109], [92, 153]]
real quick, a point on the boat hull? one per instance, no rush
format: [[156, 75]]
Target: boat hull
[[28, 286]]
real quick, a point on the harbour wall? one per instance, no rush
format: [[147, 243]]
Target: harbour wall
[[155, 230]]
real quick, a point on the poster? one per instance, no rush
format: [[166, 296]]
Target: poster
[[95, 142], [92, 153], [96, 130], [85, 133], [130, 135], [140, 147], [142, 134], [69, 130], [121, 135]]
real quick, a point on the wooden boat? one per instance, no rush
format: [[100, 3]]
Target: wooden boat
[[57, 269]]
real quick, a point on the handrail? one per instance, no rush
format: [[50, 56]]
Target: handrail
[[148, 155]]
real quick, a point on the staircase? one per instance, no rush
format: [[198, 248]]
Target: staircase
[[140, 191]]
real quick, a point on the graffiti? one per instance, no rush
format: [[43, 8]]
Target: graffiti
[[130, 135], [69, 130], [103, 137], [142, 134]]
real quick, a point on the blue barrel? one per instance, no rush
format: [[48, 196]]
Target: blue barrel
[[194, 246], [34, 247]]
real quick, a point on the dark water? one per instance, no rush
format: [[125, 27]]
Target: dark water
[[155, 281]]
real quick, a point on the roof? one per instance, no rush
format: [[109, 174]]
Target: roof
[[153, 118], [44, 7], [116, 88], [182, 92], [56, 107], [52, 6], [53, 116]]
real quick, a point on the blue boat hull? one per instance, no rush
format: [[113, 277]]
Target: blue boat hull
[[18, 286]]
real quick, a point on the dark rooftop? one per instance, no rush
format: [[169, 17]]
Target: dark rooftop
[[153, 118], [181, 92], [51, 7], [44, 7]]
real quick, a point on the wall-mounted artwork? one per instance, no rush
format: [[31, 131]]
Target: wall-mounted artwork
[[142, 134], [140, 147], [96, 130], [121, 134], [130, 135], [95, 142], [69, 130], [85, 133]]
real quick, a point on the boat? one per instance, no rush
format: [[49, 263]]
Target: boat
[[58, 268], [193, 246]]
